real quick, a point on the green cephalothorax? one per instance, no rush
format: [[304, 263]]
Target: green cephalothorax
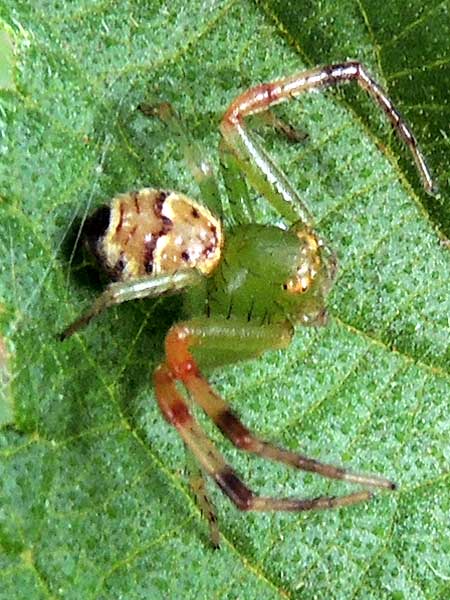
[[270, 275], [245, 284]]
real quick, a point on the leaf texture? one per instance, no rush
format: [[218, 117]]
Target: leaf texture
[[94, 501]]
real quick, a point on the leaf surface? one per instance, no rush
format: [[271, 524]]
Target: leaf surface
[[94, 501]]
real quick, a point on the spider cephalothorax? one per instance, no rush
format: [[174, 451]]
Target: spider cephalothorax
[[243, 291]]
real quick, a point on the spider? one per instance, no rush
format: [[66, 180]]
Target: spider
[[243, 292]]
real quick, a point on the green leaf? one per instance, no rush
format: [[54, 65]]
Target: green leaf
[[407, 46], [6, 59], [94, 501]]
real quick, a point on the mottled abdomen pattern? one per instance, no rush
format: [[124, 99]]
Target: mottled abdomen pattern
[[150, 232]]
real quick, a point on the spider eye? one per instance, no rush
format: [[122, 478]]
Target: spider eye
[[298, 284]]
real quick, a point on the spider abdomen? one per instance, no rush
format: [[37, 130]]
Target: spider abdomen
[[151, 232]]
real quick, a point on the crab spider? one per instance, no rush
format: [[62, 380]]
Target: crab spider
[[244, 292]]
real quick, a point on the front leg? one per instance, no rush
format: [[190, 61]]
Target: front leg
[[258, 166], [223, 335], [123, 291], [176, 412], [199, 166], [197, 481]]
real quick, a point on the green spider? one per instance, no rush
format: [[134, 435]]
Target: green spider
[[244, 292]]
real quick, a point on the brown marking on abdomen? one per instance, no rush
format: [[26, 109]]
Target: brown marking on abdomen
[[167, 225], [130, 235], [121, 211], [149, 246], [118, 268], [159, 201], [212, 247], [137, 207]]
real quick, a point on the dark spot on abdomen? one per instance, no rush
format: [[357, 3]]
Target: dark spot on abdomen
[[94, 231], [121, 212], [150, 246], [116, 273], [97, 224], [137, 207], [166, 225], [159, 201]]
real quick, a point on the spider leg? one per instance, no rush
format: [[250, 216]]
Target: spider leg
[[179, 341], [176, 412], [263, 174], [119, 292], [239, 200], [198, 485], [200, 168], [255, 162], [283, 127], [241, 207]]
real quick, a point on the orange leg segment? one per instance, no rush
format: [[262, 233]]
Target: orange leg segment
[[184, 367], [177, 413], [180, 365]]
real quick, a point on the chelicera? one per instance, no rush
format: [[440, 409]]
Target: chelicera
[[244, 290]]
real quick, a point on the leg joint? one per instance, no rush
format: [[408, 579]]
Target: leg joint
[[235, 489], [180, 360], [231, 427]]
